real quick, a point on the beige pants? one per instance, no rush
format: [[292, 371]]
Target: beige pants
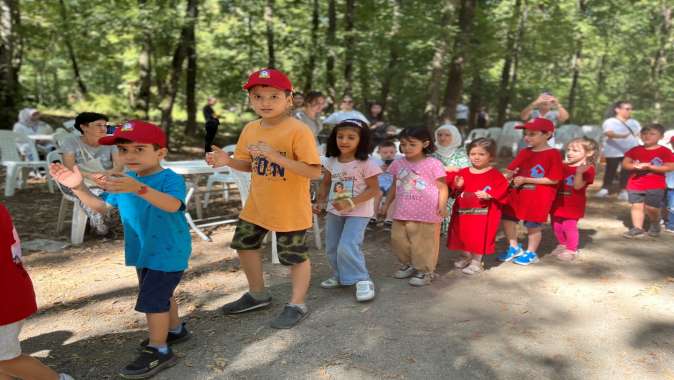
[[416, 244]]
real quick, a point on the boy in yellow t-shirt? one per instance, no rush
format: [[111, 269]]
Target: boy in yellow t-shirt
[[281, 154]]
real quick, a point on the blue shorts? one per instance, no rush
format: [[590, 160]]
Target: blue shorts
[[156, 290], [526, 223]]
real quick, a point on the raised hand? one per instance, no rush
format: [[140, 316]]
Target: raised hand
[[458, 182], [66, 177], [120, 183], [217, 158], [264, 150]]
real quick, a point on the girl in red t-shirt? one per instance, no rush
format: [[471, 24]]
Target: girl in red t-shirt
[[569, 205], [17, 302], [480, 190]]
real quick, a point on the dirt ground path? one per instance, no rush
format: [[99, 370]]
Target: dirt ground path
[[608, 315]]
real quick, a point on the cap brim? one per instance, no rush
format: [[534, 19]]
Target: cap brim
[[108, 140]]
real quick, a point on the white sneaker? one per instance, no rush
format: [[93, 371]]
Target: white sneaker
[[364, 291], [603, 193], [421, 279], [405, 271], [330, 283], [623, 196]]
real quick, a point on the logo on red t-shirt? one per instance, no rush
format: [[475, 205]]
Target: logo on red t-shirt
[[538, 171]]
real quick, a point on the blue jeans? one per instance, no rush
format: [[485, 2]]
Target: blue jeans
[[343, 242], [670, 209]]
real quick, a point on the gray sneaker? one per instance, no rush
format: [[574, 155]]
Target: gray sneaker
[[654, 230], [289, 317], [634, 233], [405, 271], [364, 291], [330, 283], [421, 279]]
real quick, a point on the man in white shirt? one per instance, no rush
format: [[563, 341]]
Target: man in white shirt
[[622, 134], [346, 111]]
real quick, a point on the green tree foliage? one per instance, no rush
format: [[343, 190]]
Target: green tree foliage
[[399, 52]]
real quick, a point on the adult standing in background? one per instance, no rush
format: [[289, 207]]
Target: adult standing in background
[[547, 107], [346, 111], [310, 112], [622, 134], [298, 100], [482, 118], [378, 125], [462, 112], [212, 122]]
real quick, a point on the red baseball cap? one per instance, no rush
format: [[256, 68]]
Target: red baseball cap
[[138, 131], [269, 77], [538, 124]]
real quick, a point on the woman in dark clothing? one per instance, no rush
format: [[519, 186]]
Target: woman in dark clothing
[[212, 123], [378, 126]]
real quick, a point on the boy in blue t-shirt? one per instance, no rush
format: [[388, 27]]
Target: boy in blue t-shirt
[[157, 240]]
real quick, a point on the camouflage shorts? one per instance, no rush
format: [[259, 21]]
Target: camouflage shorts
[[292, 247]]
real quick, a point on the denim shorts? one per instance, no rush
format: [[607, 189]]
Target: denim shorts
[[292, 246], [156, 290], [526, 223], [653, 198]]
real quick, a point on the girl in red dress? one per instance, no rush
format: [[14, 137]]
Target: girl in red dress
[[480, 191], [569, 206]]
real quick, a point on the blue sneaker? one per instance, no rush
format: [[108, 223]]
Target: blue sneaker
[[511, 253], [527, 258]]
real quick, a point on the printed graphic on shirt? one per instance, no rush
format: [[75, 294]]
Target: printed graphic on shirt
[[537, 171], [569, 180], [657, 161], [265, 168], [411, 183], [487, 188], [341, 188]]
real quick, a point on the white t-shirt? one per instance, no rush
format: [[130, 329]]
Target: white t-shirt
[[616, 147], [462, 112], [348, 181]]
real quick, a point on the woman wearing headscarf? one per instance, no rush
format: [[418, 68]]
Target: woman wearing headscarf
[[453, 157], [29, 123]]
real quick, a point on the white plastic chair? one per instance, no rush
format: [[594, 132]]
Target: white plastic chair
[[509, 138], [566, 133], [227, 179], [12, 160], [79, 219], [494, 133], [476, 134]]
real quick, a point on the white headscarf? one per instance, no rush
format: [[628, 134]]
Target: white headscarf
[[448, 151], [26, 117]]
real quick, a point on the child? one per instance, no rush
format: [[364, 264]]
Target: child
[[157, 240], [480, 190], [18, 303], [569, 206], [646, 185], [669, 177], [387, 153], [281, 154], [420, 196], [347, 218], [536, 171]]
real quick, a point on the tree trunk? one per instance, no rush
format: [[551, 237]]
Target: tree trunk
[[191, 77], [142, 103], [71, 52], [433, 103], [331, 41], [394, 53], [10, 62], [511, 39], [454, 88], [349, 45], [576, 60], [169, 88], [659, 59], [269, 20], [475, 102], [311, 63]]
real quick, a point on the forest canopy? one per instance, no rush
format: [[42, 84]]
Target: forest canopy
[[161, 59]]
